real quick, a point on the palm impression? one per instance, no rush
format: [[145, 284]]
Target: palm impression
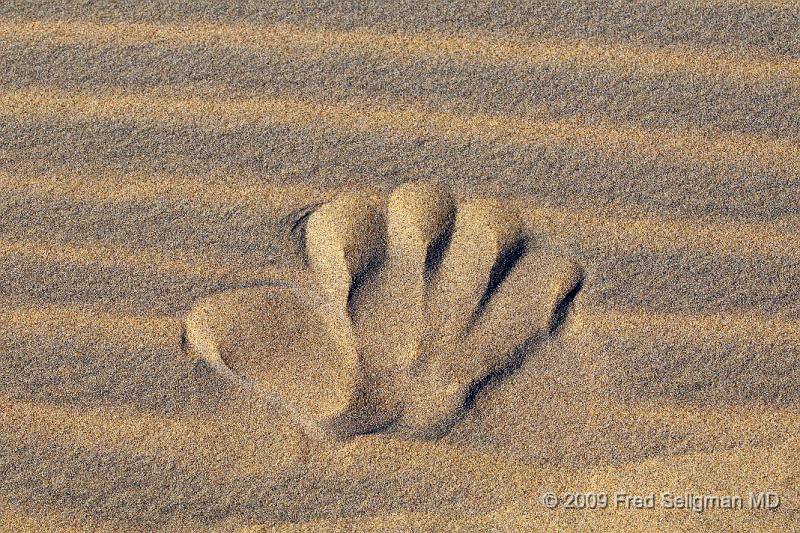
[[408, 306]]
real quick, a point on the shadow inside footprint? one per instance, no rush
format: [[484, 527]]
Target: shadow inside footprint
[[408, 308], [500, 271]]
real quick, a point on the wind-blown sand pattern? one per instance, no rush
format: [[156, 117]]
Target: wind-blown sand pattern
[[283, 267]]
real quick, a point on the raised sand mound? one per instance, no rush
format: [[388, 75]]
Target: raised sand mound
[[408, 307]]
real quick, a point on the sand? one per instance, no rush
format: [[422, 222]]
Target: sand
[[391, 267]]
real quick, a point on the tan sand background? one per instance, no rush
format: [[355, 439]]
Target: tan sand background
[[155, 152]]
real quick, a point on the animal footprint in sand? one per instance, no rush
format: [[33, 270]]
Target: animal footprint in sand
[[408, 306]]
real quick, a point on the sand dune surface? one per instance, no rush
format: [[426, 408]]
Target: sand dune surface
[[383, 267]]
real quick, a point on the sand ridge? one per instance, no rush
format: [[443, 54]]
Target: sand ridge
[[167, 107], [484, 49]]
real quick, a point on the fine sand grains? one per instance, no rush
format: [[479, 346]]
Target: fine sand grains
[[202, 330]]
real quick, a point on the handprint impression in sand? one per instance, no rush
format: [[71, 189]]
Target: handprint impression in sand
[[408, 307]]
